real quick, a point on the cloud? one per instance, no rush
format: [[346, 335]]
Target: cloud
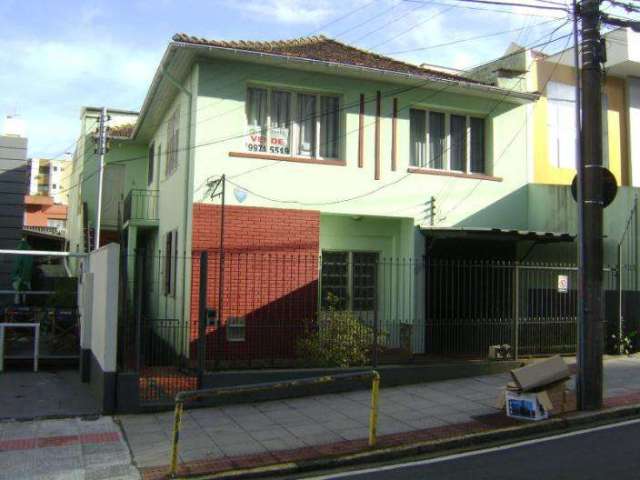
[[47, 82], [287, 11]]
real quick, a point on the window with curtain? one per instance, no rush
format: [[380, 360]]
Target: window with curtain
[[418, 137], [458, 134], [280, 115], [306, 124], [302, 124], [477, 163], [329, 108], [437, 140]]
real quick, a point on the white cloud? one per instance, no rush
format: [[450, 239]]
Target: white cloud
[[49, 81], [287, 11]]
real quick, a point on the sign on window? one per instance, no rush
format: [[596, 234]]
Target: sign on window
[[256, 140]]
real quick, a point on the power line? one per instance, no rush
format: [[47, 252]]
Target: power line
[[365, 194], [469, 39], [478, 183], [399, 91], [506, 4]]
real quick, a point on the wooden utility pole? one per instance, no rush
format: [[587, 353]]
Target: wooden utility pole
[[590, 295]]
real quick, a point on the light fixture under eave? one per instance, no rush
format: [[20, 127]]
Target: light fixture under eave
[[240, 194]]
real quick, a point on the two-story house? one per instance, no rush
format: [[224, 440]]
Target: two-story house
[[343, 170]]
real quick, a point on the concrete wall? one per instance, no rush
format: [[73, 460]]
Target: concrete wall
[[100, 322], [13, 187]]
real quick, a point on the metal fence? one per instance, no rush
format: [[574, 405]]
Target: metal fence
[[532, 307], [341, 309]]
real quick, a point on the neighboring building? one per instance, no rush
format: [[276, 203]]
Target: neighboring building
[[327, 150], [119, 178], [50, 177], [13, 186], [553, 131], [47, 199]]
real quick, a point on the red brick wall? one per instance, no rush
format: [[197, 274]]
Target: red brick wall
[[270, 278]]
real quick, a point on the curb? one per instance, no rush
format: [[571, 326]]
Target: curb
[[433, 446]]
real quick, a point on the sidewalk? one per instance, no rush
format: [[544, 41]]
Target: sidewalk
[[244, 436], [216, 439], [64, 449]]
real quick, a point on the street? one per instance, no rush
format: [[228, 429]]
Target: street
[[609, 451]]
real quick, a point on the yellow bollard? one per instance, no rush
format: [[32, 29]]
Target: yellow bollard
[[177, 420], [373, 416]]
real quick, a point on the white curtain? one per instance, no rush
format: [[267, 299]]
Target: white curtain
[[307, 124], [280, 119], [458, 152], [418, 137], [257, 107], [436, 140], [329, 127]]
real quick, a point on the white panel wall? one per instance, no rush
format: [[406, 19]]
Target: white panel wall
[[103, 265], [633, 100]]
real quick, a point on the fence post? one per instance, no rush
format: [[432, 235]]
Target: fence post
[[138, 285], [619, 285], [177, 420], [373, 415], [374, 356], [516, 309], [202, 314]]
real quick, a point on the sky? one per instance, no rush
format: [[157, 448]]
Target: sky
[[58, 56]]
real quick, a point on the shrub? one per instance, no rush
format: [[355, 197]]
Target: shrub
[[338, 339]]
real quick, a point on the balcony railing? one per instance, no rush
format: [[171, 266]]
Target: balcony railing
[[141, 206]]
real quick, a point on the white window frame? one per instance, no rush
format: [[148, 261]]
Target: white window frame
[[236, 323], [295, 126], [446, 161]]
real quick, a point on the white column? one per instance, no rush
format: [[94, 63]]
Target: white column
[[633, 125]]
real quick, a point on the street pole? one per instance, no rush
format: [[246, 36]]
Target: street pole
[[590, 334], [102, 149]]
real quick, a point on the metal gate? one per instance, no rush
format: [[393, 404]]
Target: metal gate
[[530, 306]]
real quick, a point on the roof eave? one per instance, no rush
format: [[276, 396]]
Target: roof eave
[[480, 87], [514, 96]]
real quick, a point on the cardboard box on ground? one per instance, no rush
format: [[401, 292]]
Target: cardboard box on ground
[[528, 397]]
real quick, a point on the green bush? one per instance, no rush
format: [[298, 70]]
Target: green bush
[[338, 339]]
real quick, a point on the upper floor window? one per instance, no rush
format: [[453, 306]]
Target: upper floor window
[[561, 112], [292, 123], [150, 160], [172, 142], [445, 141]]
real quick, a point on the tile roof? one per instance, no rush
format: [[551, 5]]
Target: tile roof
[[121, 131], [325, 49]]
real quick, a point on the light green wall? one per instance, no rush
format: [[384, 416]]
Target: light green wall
[[221, 124]]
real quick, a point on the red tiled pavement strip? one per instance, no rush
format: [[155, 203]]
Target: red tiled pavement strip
[[480, 423], [57, 441]]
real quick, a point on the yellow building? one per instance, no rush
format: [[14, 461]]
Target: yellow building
[[552, 120]]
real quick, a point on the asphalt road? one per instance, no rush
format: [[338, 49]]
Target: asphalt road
[[610, 452]]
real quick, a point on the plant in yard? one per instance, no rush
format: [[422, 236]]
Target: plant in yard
[[338, 339], [624, 345]]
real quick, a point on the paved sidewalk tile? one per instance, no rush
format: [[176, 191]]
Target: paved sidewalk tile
[[64, 449], [337, 423]]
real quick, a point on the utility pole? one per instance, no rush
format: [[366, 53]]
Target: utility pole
[[101, 151], [590, 194]]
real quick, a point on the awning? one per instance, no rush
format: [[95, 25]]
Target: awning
[[495, 234]]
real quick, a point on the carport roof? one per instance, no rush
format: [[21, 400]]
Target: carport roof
[[498, 234]]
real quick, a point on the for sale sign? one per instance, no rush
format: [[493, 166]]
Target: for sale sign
[[256, 140]]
